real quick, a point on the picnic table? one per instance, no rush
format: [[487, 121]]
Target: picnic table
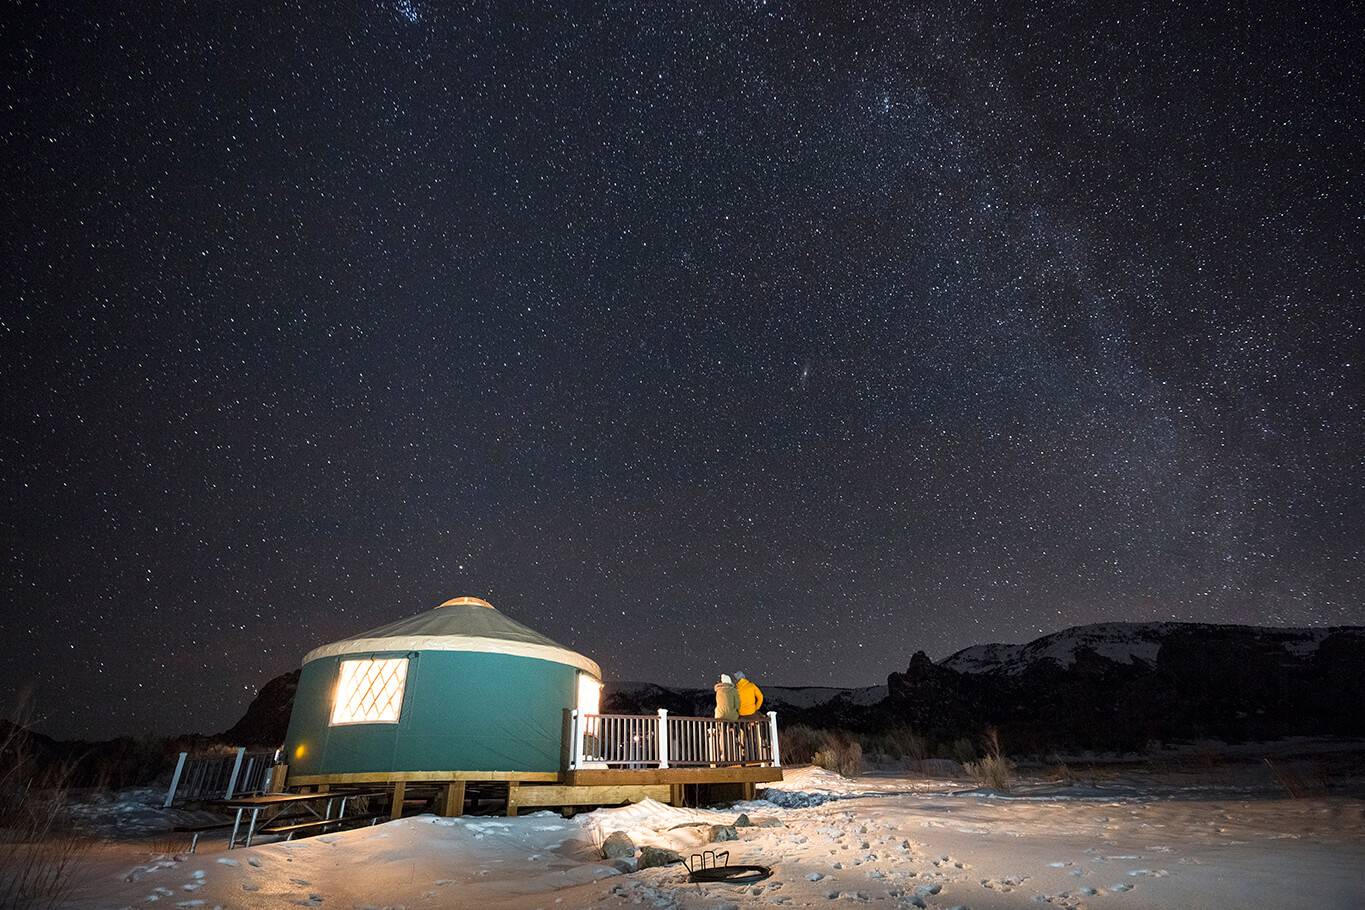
[[319, 805]]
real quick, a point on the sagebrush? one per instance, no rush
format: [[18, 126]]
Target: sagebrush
[[993, 769], [38, 845]]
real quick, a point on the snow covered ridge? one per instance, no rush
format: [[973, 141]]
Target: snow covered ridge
[[1126, 643]]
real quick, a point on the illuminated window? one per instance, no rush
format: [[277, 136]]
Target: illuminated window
[[370, 691]]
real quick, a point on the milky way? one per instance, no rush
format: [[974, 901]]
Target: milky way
[[761, 336]]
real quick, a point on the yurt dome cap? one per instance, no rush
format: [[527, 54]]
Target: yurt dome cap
[[459, 624]]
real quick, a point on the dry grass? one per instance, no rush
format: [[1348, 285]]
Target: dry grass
[[896, 744], [993, 769], [799, 743], [841, 753], [1296, 783], [962, 750], [39, 848]]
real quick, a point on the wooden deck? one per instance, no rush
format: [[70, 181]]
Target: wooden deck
[[608, 760]]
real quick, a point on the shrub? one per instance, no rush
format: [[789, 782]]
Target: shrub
[[841, 753], [799, 743], [896, 743], [993, 770], [39, 849], [963, 750]]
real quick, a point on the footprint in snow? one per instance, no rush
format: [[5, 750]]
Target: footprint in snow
[[223, 860], [1121, 887], [254, 861]]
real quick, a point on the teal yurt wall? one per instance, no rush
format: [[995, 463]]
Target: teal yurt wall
[[460, 687]]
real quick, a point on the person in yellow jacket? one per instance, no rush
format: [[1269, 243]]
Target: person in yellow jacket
[[750, 695]]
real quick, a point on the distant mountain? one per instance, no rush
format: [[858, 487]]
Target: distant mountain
[[1106, 686], [1122, 642], [1122, 685]]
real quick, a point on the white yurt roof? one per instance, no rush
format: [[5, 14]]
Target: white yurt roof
[[459, 624]]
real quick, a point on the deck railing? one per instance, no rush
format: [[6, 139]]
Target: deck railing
[[661, 741], [239, 773]]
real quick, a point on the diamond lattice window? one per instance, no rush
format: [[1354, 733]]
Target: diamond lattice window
[[370, 691]]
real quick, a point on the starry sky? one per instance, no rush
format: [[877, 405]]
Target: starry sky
[[785, 337]]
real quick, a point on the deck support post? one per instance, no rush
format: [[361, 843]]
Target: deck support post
[[662, 738], [399, 792], [772, 733], [451, 802], [511, 798]]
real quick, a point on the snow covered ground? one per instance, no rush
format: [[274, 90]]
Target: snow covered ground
[[883, 840]]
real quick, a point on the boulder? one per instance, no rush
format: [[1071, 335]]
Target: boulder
[[724, 832], [743, 821], [658, 856], [618, 845], [760, 822]]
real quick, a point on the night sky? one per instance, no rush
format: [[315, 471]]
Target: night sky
[[762, 336]]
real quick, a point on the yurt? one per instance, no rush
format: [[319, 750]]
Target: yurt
[[459, 687]]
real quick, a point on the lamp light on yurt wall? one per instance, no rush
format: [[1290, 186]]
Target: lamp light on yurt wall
[[589, 694]]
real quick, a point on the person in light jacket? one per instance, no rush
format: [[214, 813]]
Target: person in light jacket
[[727, 708], [750, 695], [727, 699]]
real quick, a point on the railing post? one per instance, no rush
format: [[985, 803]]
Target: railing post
[[236, 769], [175, 780], [772, 734], [662, 738], [576, 745]]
